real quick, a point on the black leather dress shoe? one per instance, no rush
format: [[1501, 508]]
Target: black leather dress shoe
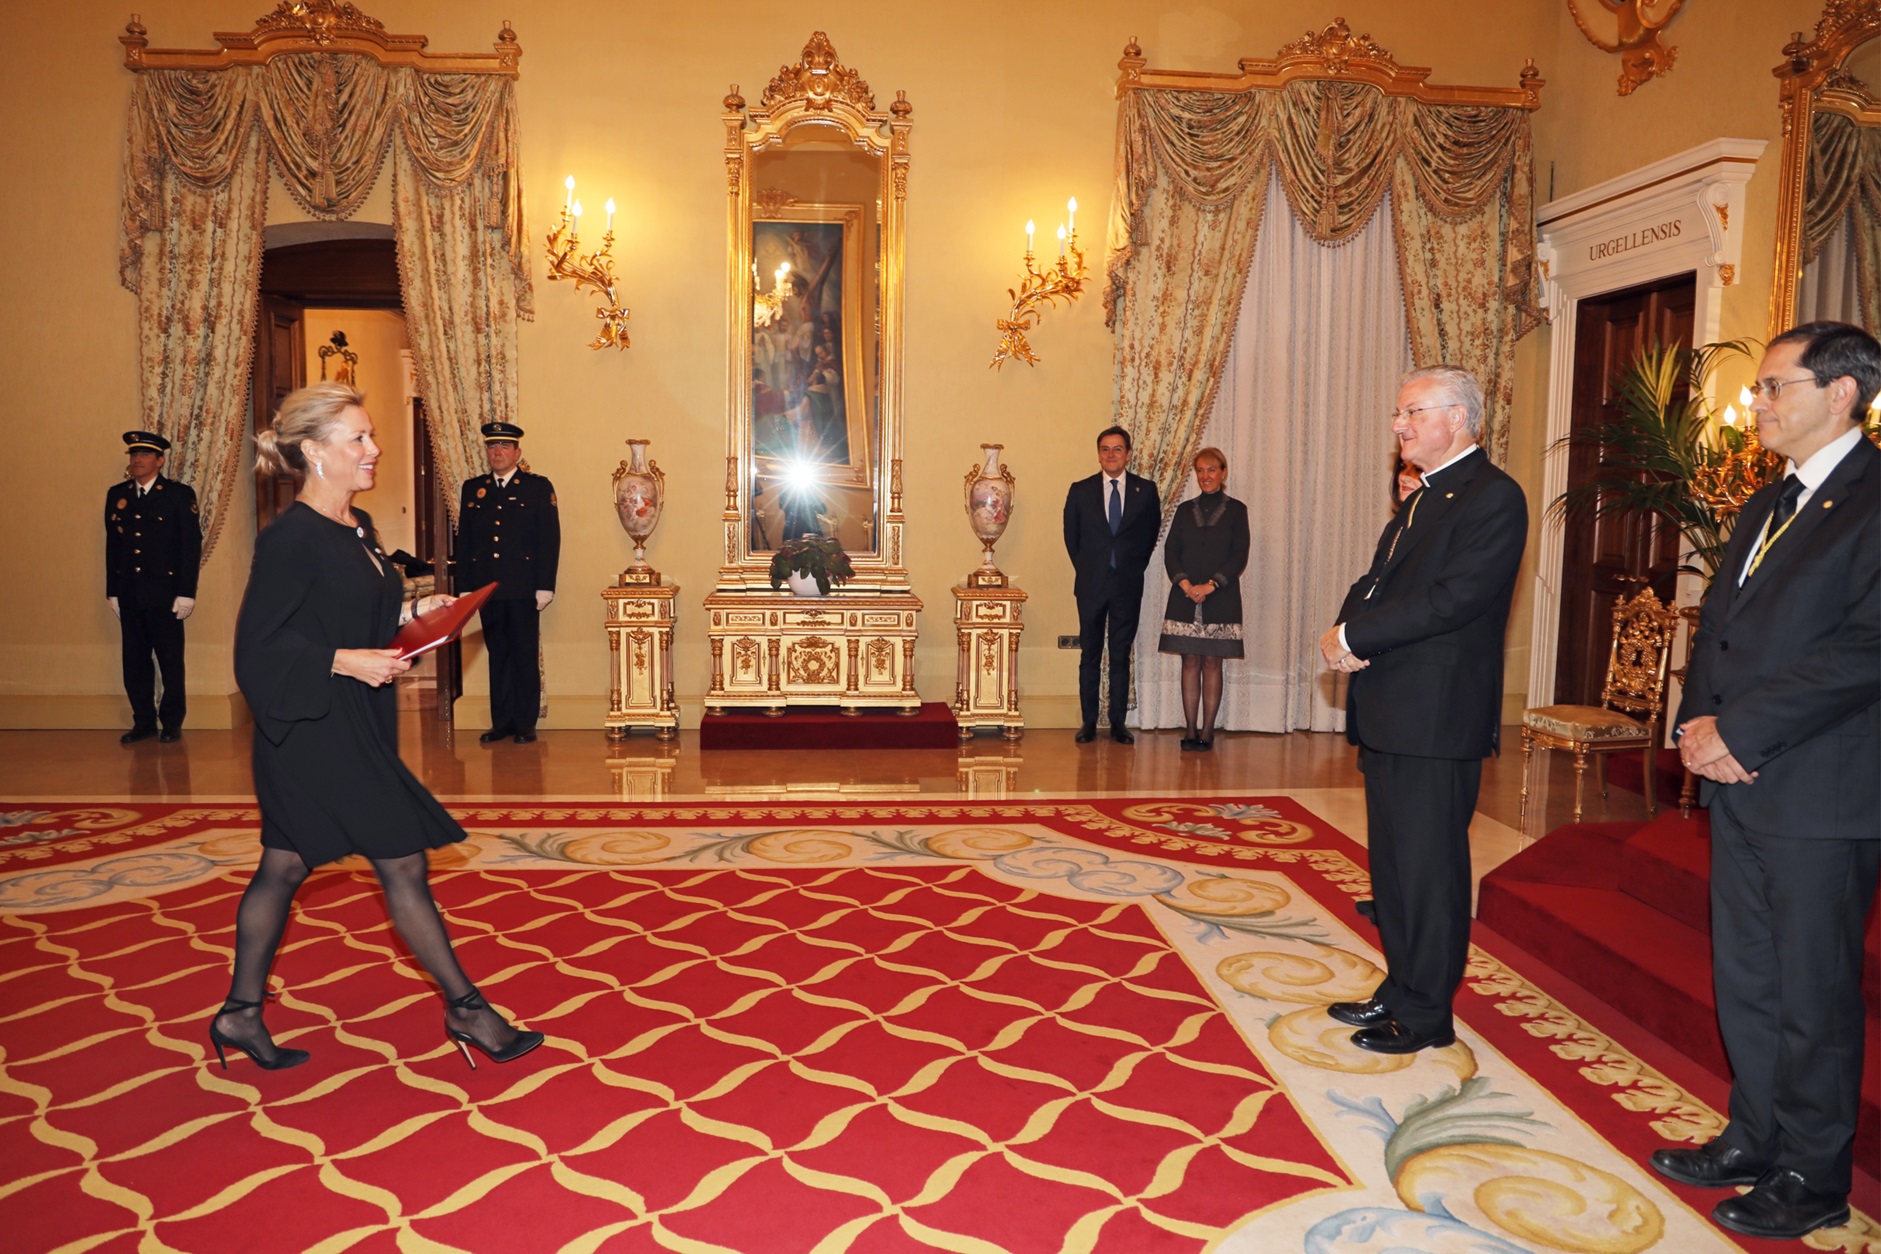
[[1086, 734], [1782, 1206], [493, 735], [1712, 1165], [169, 736], [136, 734], [1122, 736], [525, 738], [1360, 1014], [1392, 1037]]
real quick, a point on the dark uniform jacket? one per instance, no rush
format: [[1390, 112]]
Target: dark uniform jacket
[[1790, 663], [1432, 626], [512, 535], [153, 545]]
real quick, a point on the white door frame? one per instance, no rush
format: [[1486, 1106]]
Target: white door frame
[[1683, 213]]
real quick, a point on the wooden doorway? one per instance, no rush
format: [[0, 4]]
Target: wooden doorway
[[1604, 560], [345, 274]]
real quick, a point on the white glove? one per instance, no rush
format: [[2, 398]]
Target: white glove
[[183, 608], [113, 603], [543, 597]]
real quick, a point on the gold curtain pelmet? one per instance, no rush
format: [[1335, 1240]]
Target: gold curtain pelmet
[[318, 26]]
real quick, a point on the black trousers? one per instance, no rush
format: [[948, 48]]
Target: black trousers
[[1418, 818], [150, 629], [1108, 616], [1786, 950], [512, 632]]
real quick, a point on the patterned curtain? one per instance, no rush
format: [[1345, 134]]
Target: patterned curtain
[[195, 195], [1192, 168], [1844, 191]]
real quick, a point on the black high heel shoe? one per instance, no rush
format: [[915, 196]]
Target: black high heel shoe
[[283, 1057], [473, 1000]]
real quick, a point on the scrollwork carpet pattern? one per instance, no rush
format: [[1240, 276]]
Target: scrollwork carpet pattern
[[1051, 1026]]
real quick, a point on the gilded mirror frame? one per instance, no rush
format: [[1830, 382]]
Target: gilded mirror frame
[[1808, 87], [820, 92]]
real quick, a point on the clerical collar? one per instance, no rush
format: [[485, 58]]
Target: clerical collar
[[1453, 461]]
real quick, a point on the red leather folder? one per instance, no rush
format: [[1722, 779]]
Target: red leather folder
[[440, 626]]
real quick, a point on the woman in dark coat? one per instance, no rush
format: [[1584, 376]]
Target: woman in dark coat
[[322, 601], [1205, 554]]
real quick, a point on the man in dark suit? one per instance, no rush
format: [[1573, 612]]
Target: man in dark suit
[[508, 530], [1112, 520], [153, 549], [1782, 717], [1421, 635]]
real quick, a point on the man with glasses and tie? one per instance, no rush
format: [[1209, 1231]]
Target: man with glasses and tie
[[1781, 717], [153, 549], [1112, 520], [1421, 635]]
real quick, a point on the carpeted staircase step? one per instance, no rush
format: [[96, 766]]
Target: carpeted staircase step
[[1624, 909], [1647, 964]]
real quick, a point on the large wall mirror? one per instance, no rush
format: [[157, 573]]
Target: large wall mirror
[[1828, 261], [817, 179]]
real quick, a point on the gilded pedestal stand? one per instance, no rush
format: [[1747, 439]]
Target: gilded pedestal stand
[[987, 613], [640, 611]]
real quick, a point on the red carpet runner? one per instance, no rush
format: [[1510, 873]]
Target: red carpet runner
[[1054, 1026]]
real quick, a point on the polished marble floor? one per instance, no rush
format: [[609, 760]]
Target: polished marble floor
[[1317, 769]]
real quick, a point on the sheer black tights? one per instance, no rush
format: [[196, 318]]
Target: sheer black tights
[[1201, 695], [262, 918]]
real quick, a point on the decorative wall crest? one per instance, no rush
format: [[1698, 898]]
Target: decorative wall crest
[[1336, 46], [1630, 28], [817, 79], [318, 20]]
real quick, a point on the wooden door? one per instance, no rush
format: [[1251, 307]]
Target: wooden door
[[433, 532], [1605, 560], [280, 367]]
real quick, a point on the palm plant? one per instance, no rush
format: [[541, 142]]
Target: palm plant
[[1660, 454]]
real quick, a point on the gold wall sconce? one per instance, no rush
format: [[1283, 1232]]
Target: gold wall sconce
[[1630, 28], [766, 306], [1039, 288], [596, 270]]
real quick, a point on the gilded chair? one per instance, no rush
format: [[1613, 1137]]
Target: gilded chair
[[1632, 704]]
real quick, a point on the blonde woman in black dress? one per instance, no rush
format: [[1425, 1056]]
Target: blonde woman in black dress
[[322, 601], [1205, 554]]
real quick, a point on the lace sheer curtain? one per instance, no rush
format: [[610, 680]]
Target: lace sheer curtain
[[1318, 348]]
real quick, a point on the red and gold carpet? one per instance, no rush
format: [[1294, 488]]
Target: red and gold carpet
[[1078, 1025]]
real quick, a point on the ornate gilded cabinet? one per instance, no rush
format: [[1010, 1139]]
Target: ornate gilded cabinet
[[640, 660], [817, 186]]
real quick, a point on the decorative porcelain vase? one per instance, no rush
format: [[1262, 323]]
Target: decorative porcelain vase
[[989, 509], [639, 493], [802, 585]]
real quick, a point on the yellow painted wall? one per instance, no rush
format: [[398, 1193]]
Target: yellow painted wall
[[1014, 111]]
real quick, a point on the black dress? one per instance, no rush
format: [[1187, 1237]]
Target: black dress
[[327, 770], [1208, 540]]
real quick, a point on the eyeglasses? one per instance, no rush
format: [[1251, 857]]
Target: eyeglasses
[[1406, 413], [1773, 388]]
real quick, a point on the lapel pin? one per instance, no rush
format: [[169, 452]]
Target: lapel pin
[[1449, 496], [1828, 505]]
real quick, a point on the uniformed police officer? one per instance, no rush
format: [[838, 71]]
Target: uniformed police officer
[[508, 531], [153, 547]]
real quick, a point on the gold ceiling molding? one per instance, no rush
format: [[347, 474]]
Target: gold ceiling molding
[[1333, 53], [817, 79], [318, 26], [1811, 80], [1630, 28]]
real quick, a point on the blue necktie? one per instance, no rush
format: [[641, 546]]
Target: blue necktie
[[1115, 515]]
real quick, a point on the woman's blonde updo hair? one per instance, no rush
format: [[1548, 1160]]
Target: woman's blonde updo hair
[[309, 413]]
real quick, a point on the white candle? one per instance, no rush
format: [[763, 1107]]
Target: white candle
[[610, 214], [1730, 415], [1744, 397], [569, 183], [1028, 237], [1072, 208], [1061, 239]]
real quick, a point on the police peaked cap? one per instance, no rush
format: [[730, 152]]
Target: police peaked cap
[[135, 440], [496, 432]]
